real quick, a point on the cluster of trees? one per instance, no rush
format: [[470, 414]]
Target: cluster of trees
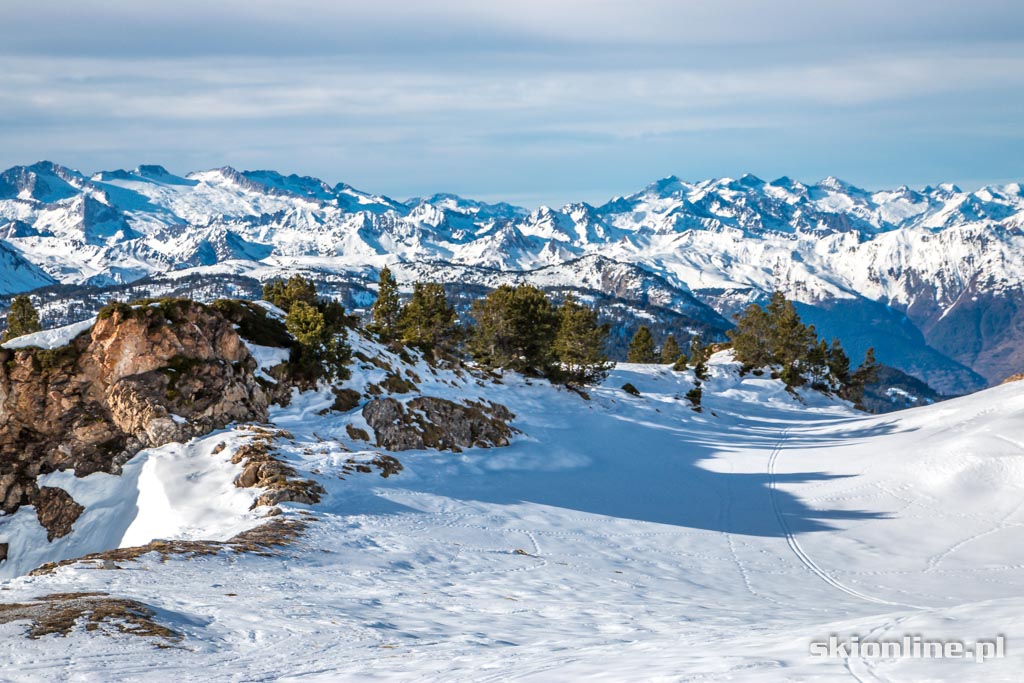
[[427, 321], [774, 336], [643, 350], [520, 328], [22, 319], [515, 328], [318, 325]]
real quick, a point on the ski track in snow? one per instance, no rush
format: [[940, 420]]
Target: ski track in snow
[[794, 544]]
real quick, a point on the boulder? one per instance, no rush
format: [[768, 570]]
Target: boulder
[[431, 422], [140, 377]]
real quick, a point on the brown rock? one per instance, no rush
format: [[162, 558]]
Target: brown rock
[[57, 511], [141, 377], [430, 422]]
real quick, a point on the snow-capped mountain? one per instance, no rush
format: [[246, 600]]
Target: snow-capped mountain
[[932, 277]]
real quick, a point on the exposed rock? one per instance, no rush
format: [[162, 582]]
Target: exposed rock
[[141, 377], [262, 469], [430, 422], [3, 551], [57, 511]]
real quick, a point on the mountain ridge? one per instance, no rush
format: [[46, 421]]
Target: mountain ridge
[[919, 256]]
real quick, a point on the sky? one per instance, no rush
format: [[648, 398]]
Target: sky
[[529, 101]]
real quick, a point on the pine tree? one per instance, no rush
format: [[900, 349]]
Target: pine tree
[[285, 293], [866, 374], [815, 363], [699, 354], [22, 319], [868, 370], [670, 350], [839, 363], [579, 344], [306, 324], [694, 396], [790, 339], [428, 321], [641, 348], [387, 308], [750, 338], [321, 349], [515, 329]]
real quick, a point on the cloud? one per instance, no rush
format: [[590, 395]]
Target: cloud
[[467, 96]]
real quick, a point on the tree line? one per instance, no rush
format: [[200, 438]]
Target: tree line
[[515, 328], [775, 337], [522, 329]]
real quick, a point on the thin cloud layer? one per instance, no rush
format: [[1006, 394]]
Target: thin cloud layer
[[522, 101]]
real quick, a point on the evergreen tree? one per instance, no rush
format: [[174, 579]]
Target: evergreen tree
[[838, 363], [699, 354], [515, 329], [22, 319], [868, 370], [790, 339], [579, 343], [283, 293], [321, 350], [694, 396], [670, 350], [750, 338], [641, 348], [816, 364], [428, 321], [306, 324], [866, 374], [387, 308]]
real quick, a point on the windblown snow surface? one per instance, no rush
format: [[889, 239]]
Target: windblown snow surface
[[622, 539]]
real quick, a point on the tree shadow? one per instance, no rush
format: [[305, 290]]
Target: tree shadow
[[659, 472]]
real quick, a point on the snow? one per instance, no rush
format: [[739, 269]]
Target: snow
[[616, 539], [175, 491], [831, 240], [267, 357], [53, 338]]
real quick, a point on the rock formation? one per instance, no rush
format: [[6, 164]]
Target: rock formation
[[141, 377], [431, 422]]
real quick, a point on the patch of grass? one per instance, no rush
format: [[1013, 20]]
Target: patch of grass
[[357, 433], [396, 385], [261, 540], [46, 360], [153, 311], [345, 400], [254, 323], [58, 613]]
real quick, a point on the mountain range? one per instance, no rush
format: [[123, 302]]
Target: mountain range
[[932, 278]]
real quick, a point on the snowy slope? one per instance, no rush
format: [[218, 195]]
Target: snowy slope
[[616, 539]]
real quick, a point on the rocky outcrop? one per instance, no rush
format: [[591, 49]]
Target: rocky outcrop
[[141, 377], [261, 468], [430, 422], [56, 511]]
